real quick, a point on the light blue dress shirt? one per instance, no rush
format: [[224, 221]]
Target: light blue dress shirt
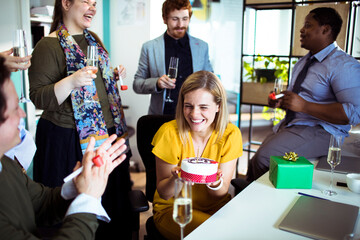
[[334, 77]]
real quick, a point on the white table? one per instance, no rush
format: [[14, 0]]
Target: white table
[[256, 212]]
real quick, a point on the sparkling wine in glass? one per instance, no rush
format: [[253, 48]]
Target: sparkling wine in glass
[[182, 213], [20, 50], [334, 159], [172, 73], [92, 57], [278, 88]]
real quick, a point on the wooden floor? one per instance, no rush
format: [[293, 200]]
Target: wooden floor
[[139, 178]]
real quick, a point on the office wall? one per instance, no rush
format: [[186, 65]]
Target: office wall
[[97, 23], [13, 15], [132, 23], [10, 20]]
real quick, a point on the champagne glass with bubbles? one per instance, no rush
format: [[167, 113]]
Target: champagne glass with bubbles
[[278, 88], [172, 73], [92, 57], [91, 60], [334, 159], [20, 50], [182, 213]]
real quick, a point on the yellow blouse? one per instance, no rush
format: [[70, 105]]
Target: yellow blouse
[[168, 147]]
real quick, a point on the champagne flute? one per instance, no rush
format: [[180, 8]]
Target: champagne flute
[[334, 159], [172, 73], [278, 88], [20, 50], [91, 60], [182, 213], [92, 57]]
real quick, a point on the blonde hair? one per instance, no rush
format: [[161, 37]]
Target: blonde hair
[[210, 82]]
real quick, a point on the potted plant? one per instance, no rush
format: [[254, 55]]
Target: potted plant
[[268, 68]]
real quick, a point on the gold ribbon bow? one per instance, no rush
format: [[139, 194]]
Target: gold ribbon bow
[[291, 156]]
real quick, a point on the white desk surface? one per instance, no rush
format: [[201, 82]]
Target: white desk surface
[[256, 212]]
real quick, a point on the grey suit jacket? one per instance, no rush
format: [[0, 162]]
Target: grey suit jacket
[[152, 66]]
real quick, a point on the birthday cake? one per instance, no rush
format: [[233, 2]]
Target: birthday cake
[[199, 170]]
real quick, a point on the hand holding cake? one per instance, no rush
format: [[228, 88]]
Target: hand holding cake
[[217, 184], [199, 170]]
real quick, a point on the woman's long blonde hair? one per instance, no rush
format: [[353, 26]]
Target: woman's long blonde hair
[[210, 82]]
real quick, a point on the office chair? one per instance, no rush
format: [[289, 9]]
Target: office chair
[[239, 184], [147, 126], [138, 204]]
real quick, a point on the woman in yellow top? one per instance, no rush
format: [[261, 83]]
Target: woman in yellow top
[[201, 128]]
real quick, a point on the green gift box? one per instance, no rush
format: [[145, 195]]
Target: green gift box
[[289, 174]]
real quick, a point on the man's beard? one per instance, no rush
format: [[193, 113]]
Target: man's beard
[[179, 35]]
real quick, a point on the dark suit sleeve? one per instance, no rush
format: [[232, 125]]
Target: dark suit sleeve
[[26, 205], [50, 208]]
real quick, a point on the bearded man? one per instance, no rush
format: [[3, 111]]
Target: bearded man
[[152, 76]]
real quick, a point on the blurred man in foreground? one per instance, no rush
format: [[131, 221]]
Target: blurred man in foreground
[[25, 205]]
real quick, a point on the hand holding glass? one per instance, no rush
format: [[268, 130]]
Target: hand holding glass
[[20, 50], [92, 57], [278, 88], [172, 73], [182, 213], [334, 159]]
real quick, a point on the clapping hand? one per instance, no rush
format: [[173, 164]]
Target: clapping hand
[[93, 179]]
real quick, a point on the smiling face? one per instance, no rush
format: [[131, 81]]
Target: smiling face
[[78, 15], [313, 36], [200, 110], [177, 23], [10, 135]]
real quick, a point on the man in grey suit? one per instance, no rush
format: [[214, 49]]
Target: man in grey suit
[[151, 76]]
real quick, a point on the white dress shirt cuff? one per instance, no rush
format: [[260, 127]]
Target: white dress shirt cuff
[[83, 203], [68, 190]]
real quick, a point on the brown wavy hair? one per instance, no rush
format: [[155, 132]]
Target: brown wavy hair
[[170, 5], [58, 18]]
